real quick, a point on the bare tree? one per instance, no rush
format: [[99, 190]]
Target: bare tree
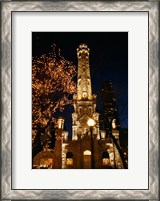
[[52, 89]]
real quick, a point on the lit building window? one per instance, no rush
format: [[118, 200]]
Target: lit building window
[[84, 94], [87, 152], [69, 157], [114, 123], [69, 161], [103, 134], [105, 159], [60, 123], [88, 81], [65, 135]]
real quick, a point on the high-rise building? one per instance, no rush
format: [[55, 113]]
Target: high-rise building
[[108, 119], [89, 147]]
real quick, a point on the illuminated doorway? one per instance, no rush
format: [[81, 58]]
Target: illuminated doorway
[[87, 159]]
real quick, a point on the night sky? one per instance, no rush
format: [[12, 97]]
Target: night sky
[[108, 61]]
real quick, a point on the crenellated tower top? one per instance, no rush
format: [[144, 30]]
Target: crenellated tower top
[[83, 50]]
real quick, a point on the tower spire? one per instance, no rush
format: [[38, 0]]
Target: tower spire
[[84, 91], [84, 101]]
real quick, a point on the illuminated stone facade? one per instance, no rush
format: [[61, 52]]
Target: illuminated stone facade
[[85, 151], [88, 148], [84, 100]]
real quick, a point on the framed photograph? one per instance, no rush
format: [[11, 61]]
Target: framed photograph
[[79, 100], [66, 99]]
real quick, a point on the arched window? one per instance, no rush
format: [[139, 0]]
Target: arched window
[[114, 124], [80, 110], [103, 135], [69, 154], [84, 94], [87, 159], [105, 154], [87, 152], [69, 158], [88, 81], [105, 159], [89, 110]]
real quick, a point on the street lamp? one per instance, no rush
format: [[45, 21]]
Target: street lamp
[[91, 124]]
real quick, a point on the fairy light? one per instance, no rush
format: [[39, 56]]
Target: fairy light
[[52, 83]]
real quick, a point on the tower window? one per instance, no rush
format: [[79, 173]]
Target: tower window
[[88, 81], [79, 81], [80, 110], [84, 94]]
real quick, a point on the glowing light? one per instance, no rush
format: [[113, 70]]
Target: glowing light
[[114, 124], [60, 123], [52, 85], [91, 122], [65, 135], [87, 152], [103, 134]]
